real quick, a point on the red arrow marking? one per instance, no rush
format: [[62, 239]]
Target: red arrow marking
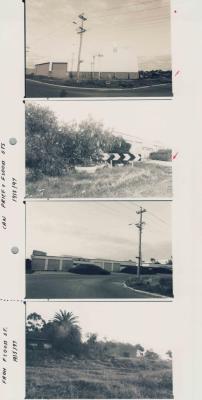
[[177, 73], [175, 155]]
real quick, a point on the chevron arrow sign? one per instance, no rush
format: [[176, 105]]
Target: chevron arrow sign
[[126, 157], [111, 157], [129, 157], [116, 157], [121, 157], [105, 156]]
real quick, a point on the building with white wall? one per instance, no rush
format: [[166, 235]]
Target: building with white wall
[[52, 69]]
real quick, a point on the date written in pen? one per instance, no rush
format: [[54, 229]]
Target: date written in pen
[[14, 190]]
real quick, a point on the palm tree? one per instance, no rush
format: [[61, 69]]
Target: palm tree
[[66, 333], [65, 318]]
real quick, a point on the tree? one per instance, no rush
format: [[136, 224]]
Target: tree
[[41, 126], [151, 355], [169, 354], [95, 348], [92, 339], [64, 317], [154, 261], [52, 148], [139, 350], [170, 261], [65, 332], [35, 323]]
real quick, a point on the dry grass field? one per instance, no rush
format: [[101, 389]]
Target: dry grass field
[[119, 378], [143, 180]]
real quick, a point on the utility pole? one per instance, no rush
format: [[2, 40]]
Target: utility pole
[[81, 31], [139, 225]]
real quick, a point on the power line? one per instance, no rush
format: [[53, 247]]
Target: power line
[[137, 205], [160, 219], [155, 216], [125, 6], [129, 204], [114, 212], [136, 13], [52, 33], [135, 5]]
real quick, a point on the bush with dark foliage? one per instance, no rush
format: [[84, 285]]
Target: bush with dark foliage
[[88, 269], [161, 155], [52, 148]]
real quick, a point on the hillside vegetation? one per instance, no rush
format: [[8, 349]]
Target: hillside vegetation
[[144, 179], [158, 284], [72, 367], [53, 148], [115, 378], [55, 152]]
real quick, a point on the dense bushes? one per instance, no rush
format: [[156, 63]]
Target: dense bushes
[[64, 334], [161, 154], [51, 148], [88, 269]]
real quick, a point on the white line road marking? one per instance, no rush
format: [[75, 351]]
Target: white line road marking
[[97, 89]]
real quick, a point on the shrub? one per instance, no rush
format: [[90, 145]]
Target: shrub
[[153, 284], [88, 269], [63, 93], [126, 354], [51, 149], [162, 155]]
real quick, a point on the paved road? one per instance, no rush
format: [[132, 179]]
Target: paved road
[[41, 89], [66, 285]]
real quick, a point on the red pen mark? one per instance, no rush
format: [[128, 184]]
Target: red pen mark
[[175, 155], [177, 73]]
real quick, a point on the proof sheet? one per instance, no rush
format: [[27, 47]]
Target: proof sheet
[[100, 287]]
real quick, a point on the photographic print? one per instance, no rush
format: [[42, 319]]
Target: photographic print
[[95, 48], [98, 250], [98, 351], [96, 149]]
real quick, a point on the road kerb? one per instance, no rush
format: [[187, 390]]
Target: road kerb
[[97, 89], [145, 292]]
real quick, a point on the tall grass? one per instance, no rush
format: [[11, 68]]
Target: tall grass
[[95, 379], [144, 179]]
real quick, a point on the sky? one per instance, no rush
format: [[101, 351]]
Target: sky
[[98, 229], [122, 31], [138, 322], [126, 118]]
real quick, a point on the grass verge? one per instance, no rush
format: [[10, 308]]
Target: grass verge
[[96, 379], [162, 285], [143, 180]]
